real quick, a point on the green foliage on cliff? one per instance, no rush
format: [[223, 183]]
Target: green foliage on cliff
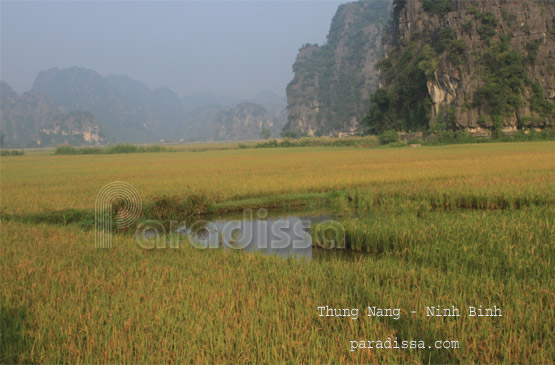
[[500, 88], [438, 7], [331, 76], [406, 104], [532, 49], [489, 23], [506, 83], [539, 103], [504, 79], [448, 42]]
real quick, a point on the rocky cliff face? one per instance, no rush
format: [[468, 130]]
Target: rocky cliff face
[[198, 124], [484, 65], [74, 128], [276, 106], [330, 90], [159, 110], [33, 120], [23, 115], [244, 121], [127, 109]]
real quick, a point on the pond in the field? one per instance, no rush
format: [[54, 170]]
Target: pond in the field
[[308, 234]]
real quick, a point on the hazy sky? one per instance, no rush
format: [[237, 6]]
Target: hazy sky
[[230, 47]]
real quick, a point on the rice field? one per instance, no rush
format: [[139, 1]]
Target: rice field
[[45, 183], [464, 225]]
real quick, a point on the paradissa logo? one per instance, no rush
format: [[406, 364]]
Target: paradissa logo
[[260, 233], [112, 194]]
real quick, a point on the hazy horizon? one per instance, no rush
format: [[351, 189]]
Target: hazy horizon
[[234, 48]]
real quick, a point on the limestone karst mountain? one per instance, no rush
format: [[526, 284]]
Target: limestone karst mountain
[[486, 66], [33, 120], [332, 83], [79, 106]]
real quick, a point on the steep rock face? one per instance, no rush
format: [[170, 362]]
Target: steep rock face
[[244, 121], [76, 127], [485, 65], [198, 124], [276, 106], [160, 110], [330, 90], [31, 120], [127, 109], [23, 115], [280, 120]]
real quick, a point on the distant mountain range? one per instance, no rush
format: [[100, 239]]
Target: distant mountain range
[[34, 120], [79, 106]]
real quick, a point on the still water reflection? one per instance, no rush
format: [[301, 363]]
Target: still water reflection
[[284, 235]]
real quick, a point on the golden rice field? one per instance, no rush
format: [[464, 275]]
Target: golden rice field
[[463, 225], [42, 183]]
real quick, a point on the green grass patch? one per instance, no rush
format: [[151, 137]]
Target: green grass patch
[[11, 153], [116, 149], [279, 201], [368, 141]]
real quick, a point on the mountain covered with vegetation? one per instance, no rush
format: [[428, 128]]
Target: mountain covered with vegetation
[[486, 66], [212, 117], [127, 109], [72, 128], [34, 120], [332, 83], [247, 120], [243, 121]]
